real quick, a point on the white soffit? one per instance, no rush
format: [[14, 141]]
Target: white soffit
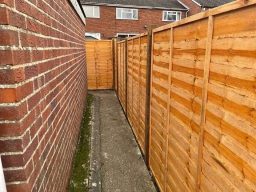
[[78, 9]]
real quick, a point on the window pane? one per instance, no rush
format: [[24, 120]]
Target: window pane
[[135, 14], [124, 13], [96, 11], [171, 16], [127, 15], [92, 11], [88, 10], [119, 13], [178, 15]]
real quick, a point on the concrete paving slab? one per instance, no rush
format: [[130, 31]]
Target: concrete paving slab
[[117, 162]]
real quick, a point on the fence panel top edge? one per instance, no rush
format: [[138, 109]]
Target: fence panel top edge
[[137, 36], [120, 42], [238, 4], [98, 40]]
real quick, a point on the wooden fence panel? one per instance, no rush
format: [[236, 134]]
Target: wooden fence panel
[[129, 80], [159, 104], [229, 155], [136, 86], [202, 102], [122, 73], [99, 64], [142, 91], [188, 58]]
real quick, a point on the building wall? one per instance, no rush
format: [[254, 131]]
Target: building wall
[[193, 7], [42, 92], [109, 26]]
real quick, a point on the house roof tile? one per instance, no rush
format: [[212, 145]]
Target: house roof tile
[[212, 3]]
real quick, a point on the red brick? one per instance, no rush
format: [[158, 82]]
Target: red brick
[[33, 26], [12, 161], [29, 40], [18, 187], [10, 129], [16, 20], [9, 113], [31, 71], [37, 55], [6, 57], [19, 174], [30, 150], [3, 16], [34, 100], [11, 145], [8, 95], [11, 76], [8, 37], [24, 90], [7, 2], [23, 7], [21, 56]]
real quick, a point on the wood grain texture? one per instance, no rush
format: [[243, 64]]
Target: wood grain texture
[[99, 64], [202, 101]]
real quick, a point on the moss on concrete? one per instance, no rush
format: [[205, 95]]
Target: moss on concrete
[[81, 162]]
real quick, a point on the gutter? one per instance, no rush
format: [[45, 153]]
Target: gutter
[[183, 4]]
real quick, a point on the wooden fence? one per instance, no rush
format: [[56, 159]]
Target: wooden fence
[[202, 99], [99, 60], [132, 82]]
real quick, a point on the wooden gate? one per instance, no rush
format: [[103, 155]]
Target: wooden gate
[[99, 61]]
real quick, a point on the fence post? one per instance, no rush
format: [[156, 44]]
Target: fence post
[[147, 103], [204, 99], [117, 70], [114, 61], [126, 75]]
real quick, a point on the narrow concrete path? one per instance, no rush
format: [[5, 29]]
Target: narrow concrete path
[[116, 159]]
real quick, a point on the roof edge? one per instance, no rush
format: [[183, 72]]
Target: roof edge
[[194, 1], [136, 6]]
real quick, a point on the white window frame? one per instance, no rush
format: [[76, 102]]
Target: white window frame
[[95, 35], [174, 13], [125, 10], [93, 11], [128, 34]]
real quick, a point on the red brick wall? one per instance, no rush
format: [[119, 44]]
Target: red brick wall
[[42, 92], [109, 26], [193, 7]]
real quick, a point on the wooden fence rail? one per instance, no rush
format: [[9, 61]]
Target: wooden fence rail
[[202, 99]]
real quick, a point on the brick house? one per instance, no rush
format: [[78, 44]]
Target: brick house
[[108, 19], [196, 6]]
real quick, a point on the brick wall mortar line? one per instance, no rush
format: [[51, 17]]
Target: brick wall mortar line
[[18, 137], [32, 140], [17, 29], [27, 16], [58, 131], [16, 85]]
